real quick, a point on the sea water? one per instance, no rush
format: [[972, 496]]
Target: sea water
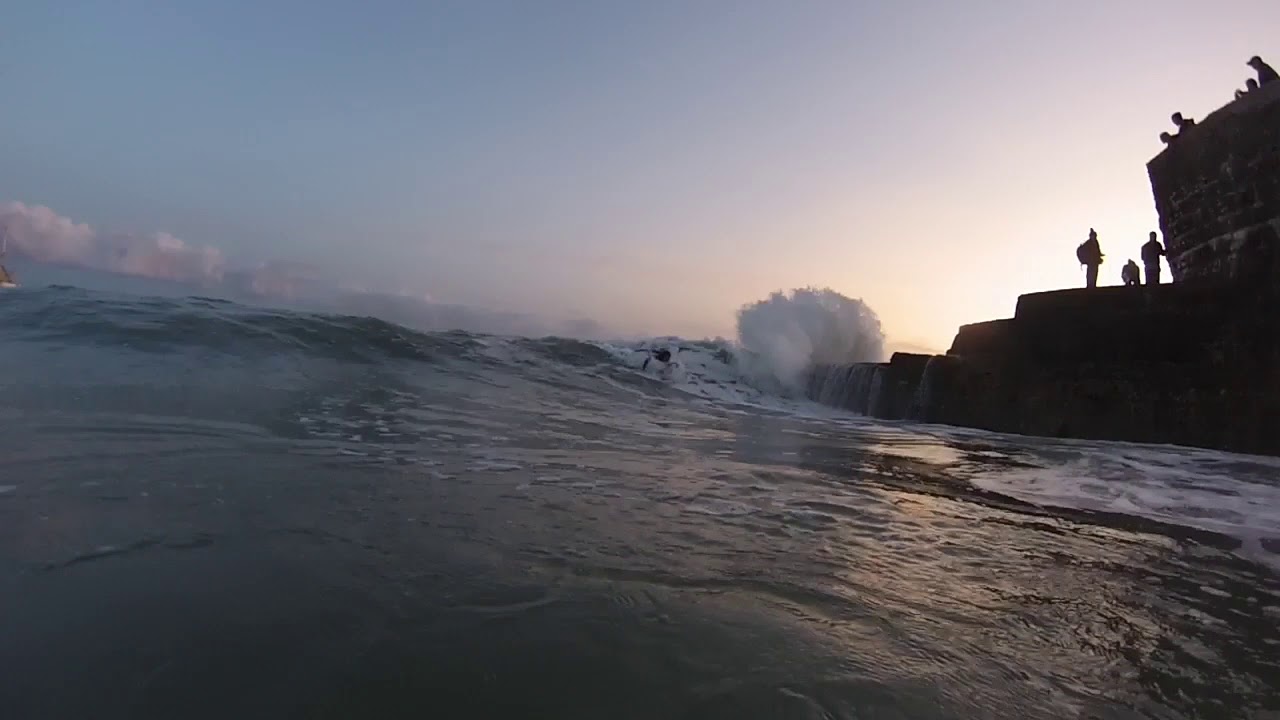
[[212, 510]]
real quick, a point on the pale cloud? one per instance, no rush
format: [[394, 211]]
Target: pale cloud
[[41, 234], [38, 233]]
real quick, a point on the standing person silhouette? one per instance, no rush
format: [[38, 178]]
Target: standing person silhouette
[[1152, 251], [1089, 253]]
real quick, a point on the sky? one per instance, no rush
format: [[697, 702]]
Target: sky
[[653, 166]]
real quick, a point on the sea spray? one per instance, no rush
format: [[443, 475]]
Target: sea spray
[[783, 336]]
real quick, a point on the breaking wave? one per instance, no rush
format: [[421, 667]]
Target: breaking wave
[[778, 338], [785, 334]]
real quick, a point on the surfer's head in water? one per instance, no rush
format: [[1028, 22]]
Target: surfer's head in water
[[663, 356]]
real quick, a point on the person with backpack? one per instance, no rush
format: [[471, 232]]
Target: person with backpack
[[1151, 253], [1089, 253]]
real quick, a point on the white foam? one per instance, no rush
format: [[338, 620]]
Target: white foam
[[707, 369], [779, 339], [785, 334], [1225, 493]]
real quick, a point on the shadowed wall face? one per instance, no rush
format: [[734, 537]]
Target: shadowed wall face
[[1217, 189], [1193, 364]]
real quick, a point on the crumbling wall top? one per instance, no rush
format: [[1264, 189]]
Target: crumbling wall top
[[1217, 191]]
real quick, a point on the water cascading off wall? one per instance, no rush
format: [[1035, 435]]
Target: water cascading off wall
[[905, 388], [925, 394], [829, 385], [848, 387]]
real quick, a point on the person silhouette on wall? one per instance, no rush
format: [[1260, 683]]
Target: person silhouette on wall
[[1249, 86], [1183, 125], [1089, 253], [1152, 251], [1266, 73], [1129, 273]]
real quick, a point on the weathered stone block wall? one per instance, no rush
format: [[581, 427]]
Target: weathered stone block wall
[[1217, 189], [1189, 364], [1166, 323]]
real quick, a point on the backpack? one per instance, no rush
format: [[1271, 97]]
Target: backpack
[[1082, 253]]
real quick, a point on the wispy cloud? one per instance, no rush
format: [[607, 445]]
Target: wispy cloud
[[40, 234]]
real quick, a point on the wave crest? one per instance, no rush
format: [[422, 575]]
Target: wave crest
[[167, 325], [779, 337]]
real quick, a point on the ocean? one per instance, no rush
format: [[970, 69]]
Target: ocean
[[214, 510]]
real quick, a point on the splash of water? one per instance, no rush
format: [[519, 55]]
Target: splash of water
[[785, 334]]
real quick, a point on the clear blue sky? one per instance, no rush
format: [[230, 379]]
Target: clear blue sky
[[650, 164]]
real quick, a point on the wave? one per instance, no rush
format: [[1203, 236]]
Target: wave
[[72, 315], [778, 337]]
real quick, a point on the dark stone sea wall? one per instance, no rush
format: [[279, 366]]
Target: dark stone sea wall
[[1186, 364], [1193, 363], [1217, 190]]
